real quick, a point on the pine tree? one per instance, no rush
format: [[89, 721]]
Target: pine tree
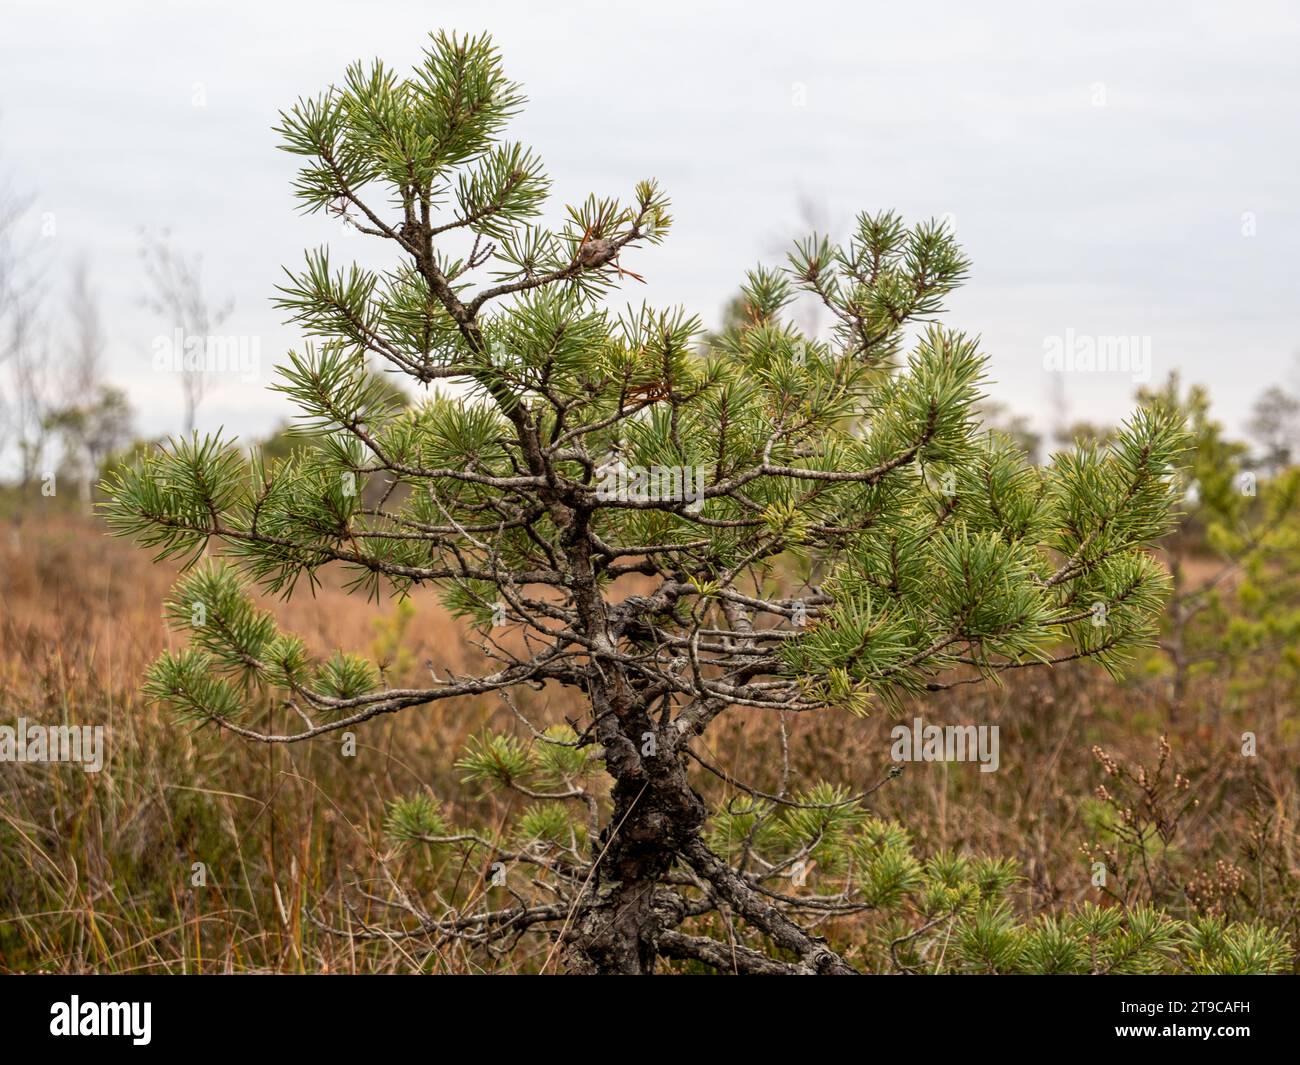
[[767, 524], [1240, 616]]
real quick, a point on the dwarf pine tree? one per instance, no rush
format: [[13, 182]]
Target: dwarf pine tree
[[768, 524]]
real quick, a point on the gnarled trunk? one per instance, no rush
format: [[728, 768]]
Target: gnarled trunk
[[656, 816]]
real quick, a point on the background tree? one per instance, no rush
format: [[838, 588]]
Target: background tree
[[92, 419], [773, 525], [32, 382], [91, 431], [24, 349], [85, 342], [1275, 424], [1240, 524], [174, 290]]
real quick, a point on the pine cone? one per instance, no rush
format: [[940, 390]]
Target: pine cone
[[596, 253]]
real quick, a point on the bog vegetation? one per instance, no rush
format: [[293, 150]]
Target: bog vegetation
[[587, 658]]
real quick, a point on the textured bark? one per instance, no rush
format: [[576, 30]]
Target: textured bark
[[725, 957], [815, 957], [655, 812], [656, 816], [627, 920]]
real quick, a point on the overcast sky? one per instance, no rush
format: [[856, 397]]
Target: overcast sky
[[1112, 169]]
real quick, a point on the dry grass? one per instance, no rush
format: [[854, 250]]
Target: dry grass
[[95, 869]]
